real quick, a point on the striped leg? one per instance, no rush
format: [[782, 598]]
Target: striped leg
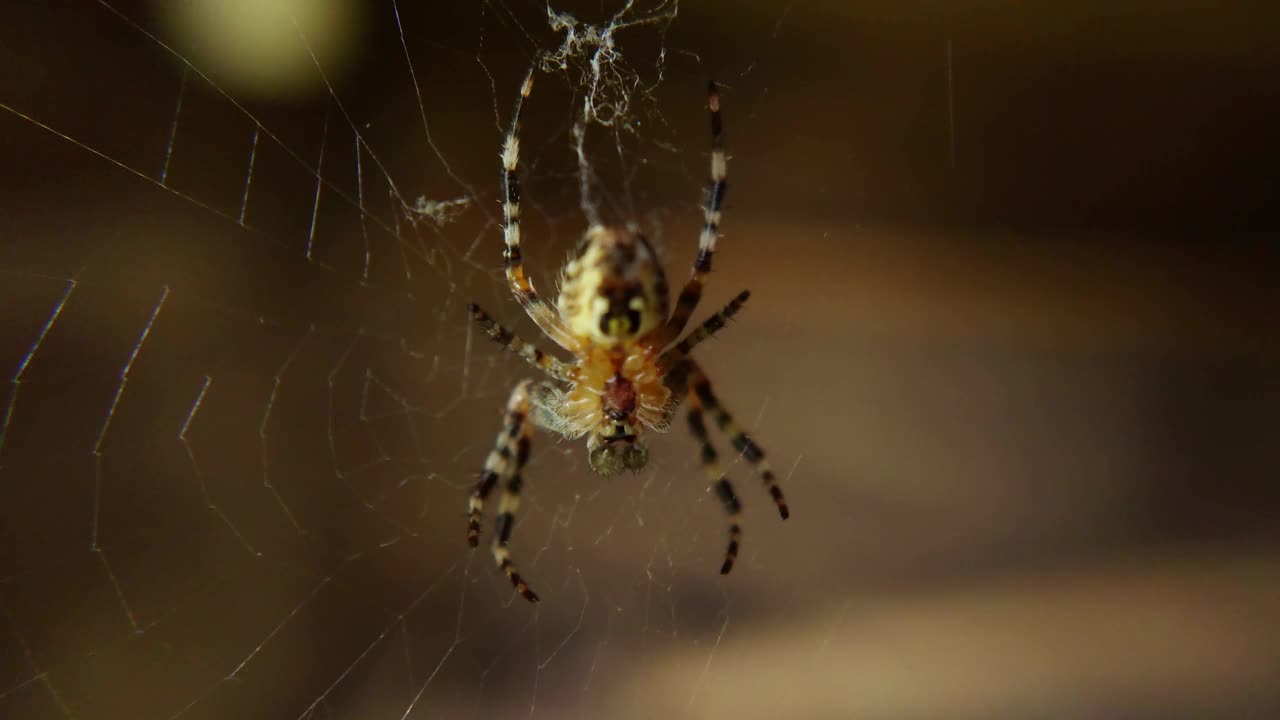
[[709, 327], [692, 292], [512, 342], [742, 442], [505, 460], [547, 319], [718, 481]]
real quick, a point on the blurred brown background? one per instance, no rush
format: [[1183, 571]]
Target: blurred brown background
[[1012, 347]]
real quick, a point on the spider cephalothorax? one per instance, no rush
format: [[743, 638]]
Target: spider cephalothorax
[[630, 370]]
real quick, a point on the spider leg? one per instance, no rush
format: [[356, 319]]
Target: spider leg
[[505, 460], [542, 313], [692, 292], [709, 327], [724, 490], [741, 441], [512, 342]]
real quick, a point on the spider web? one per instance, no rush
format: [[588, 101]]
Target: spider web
[[246, 406]]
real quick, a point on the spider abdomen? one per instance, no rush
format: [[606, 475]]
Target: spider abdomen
[[613, 291]]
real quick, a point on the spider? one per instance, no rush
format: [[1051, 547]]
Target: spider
[[630, 370]]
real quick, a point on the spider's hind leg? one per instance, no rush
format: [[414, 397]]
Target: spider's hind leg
[[708, 328], [507, 459], [712, 207], [543, 314]]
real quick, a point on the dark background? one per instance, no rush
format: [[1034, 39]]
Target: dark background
[[1012, 347]]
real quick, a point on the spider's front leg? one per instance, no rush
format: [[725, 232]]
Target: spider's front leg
[[741, 441], [721, 484], [689, 378], [506, 460]]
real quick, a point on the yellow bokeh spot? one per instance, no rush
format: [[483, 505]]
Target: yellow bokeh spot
[[257, 47]]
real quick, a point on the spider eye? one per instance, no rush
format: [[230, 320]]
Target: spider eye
[[635, 457]]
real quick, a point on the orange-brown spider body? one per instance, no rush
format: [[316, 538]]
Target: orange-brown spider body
[[630, 370], [613, 297]]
